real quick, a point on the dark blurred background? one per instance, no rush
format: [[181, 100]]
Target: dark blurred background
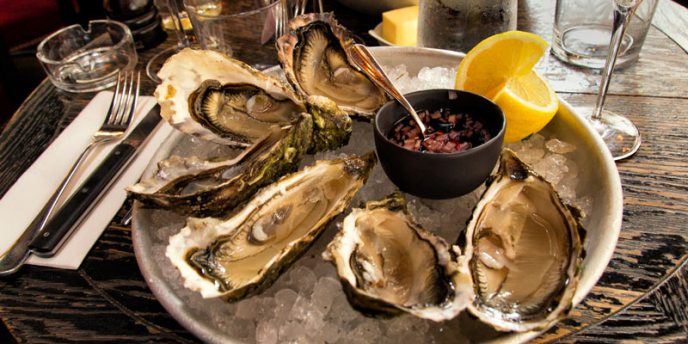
[[23, 24]]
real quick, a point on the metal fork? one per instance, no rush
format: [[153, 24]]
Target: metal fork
[[300, 7], [282, 19], [116, 122]]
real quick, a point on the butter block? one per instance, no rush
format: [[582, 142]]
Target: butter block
[[400, 26]]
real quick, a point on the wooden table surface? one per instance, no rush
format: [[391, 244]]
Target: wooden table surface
[[642, 295]]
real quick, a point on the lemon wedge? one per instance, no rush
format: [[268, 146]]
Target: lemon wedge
[[529, 103], [501, 68]]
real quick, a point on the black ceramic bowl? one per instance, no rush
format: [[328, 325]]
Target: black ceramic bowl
[[439, 175]]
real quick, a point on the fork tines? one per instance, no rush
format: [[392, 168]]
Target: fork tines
[[125, 98]]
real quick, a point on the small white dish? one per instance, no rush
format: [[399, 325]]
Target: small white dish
[[377, 34]]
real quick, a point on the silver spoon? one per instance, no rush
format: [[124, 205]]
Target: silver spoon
[[362, 58]]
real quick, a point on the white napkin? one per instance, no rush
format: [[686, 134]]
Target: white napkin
[[28, 195]]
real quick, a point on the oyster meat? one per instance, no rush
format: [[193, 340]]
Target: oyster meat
[[241, 112], [207, 94], [314, 58], [234, 257], [524, 247], [388, 264], [203, 188]]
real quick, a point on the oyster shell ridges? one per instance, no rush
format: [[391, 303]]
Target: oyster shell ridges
[[331, 126], [235, 257]]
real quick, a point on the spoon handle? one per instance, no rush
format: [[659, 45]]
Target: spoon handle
[[362, 57]]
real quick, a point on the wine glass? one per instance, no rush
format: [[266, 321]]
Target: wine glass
[[153, 66], [618, 132]]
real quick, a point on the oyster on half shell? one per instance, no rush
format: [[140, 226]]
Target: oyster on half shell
[[234, 257], [314, 58], [519, 269], [524, 247], [210, 188], [388, 264], [207, 94]]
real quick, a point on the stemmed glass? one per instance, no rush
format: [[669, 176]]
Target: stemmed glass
[[618, 132], [155, 63]]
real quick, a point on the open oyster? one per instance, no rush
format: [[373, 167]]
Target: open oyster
[[314, 59], [518, 272], [388, 264], [524, 246], [233, 257], [209, 95], [210, 188]]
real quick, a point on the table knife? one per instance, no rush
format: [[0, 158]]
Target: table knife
[[74, 210]]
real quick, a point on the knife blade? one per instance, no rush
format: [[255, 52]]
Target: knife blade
[[75, 209], [60, 226]]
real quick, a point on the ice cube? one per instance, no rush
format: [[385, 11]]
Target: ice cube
[[303, 279], [290, 330], [284, 301], [560, 147], [324, 292], [249, 308], [266, 332]]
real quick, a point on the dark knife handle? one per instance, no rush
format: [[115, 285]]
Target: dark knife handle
[[57, 230]]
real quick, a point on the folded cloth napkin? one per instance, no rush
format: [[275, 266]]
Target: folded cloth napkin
[[29, 194]]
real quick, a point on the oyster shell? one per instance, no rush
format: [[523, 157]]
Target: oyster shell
[[204, 188], [233, 257], [314, 59], [207, 94], [331, 126], [388, 264], [524, 247]]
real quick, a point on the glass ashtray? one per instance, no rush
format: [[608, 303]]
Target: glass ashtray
[[78, 60]]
